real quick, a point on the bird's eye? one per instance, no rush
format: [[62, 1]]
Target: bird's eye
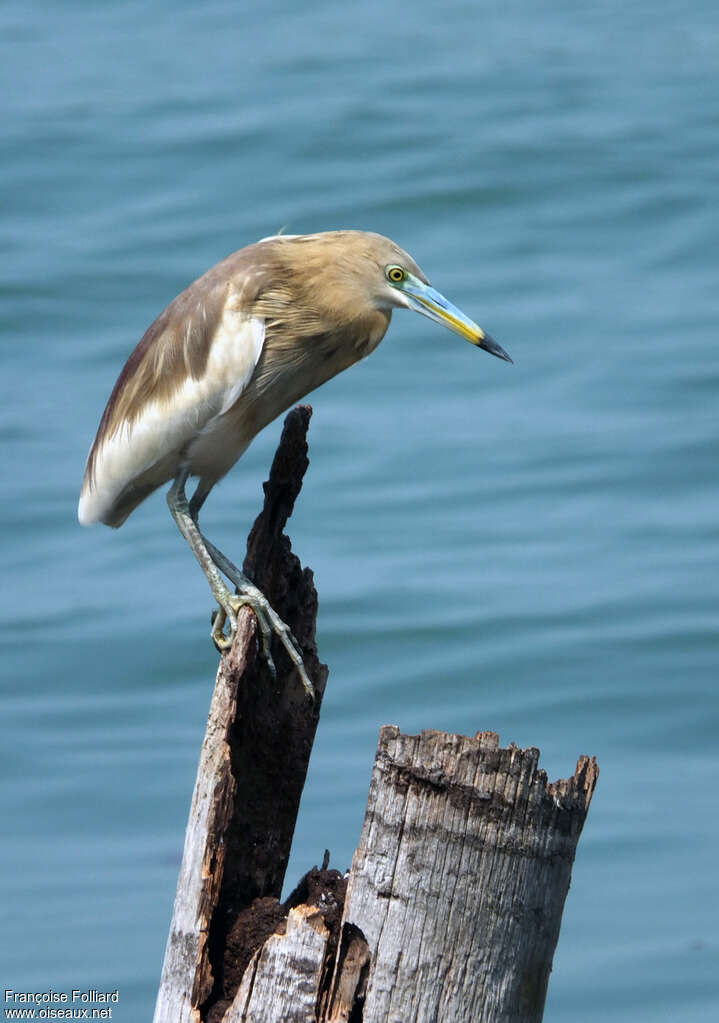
[[395, 274]]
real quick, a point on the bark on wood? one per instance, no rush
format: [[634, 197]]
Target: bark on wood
[[252, 765]]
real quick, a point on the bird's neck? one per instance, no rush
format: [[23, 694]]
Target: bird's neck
[[291, 367]]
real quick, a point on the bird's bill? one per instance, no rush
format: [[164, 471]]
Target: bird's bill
[[426, 300]]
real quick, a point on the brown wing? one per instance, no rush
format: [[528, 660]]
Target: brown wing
[[171, 359]]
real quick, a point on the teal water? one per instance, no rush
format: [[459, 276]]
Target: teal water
[[528, 548]]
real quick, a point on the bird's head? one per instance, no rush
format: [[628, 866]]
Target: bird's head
[[401, 284], [338, 277]]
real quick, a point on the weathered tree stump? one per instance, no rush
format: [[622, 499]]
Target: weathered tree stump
[[454, 899], [253, 762], [451, 910], [457, 886]]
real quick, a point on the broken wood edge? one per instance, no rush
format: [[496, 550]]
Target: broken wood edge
[[295, 959]]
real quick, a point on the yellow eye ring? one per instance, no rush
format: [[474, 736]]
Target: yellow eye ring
[[395, 274]]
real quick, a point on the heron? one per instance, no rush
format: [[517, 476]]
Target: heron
[[229, 354]]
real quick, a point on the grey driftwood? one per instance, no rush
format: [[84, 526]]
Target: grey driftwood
[[451, 910]]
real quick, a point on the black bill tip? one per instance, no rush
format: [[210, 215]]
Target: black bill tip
[[491, 346]]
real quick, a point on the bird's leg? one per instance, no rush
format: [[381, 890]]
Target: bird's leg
[[267, 618], [228, 603], [197, 500]]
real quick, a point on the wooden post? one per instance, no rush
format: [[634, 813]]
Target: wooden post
[[253, 761], [454, 900], [452, 908], [458, 883]]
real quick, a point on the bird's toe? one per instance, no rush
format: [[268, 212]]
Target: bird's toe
[[223, 640]]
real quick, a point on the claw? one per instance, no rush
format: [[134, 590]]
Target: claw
[[222, 642], [238, 600], [268, 622]]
